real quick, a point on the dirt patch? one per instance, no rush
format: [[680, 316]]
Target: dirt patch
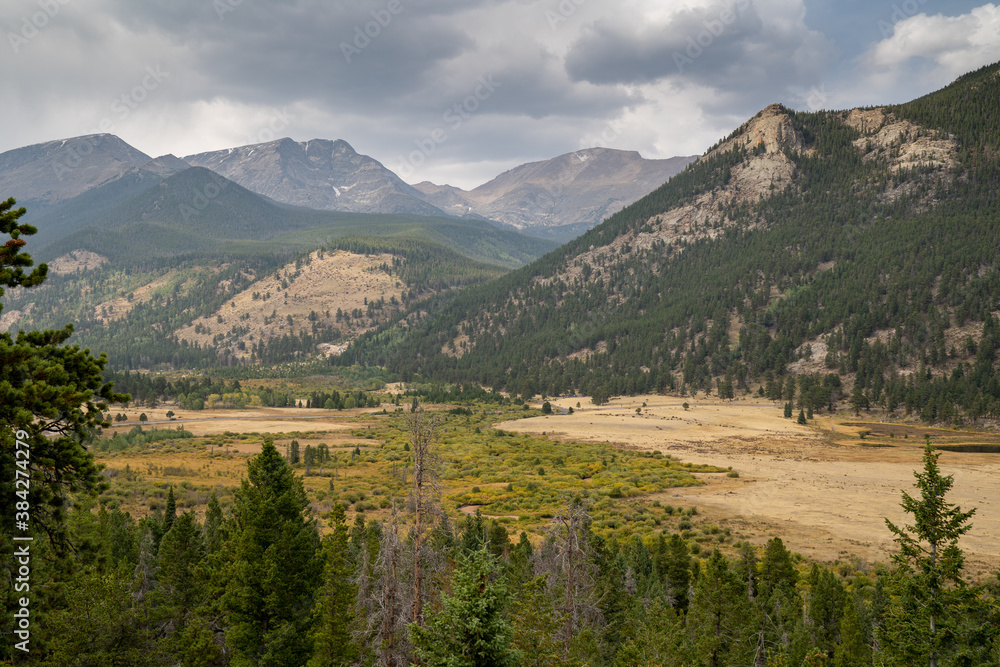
[[820, 487], [119, 308], [76, 260], [301, 295]]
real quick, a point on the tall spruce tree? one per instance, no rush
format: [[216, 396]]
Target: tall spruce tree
[[170, 514], [930, 592], [213, 525], [826, 608], [678, 574], [275, 566], [852, 650], [471, 630], [720, 617], [181, 550], [333, 615]]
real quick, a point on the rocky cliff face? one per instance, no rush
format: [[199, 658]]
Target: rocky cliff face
[[579, 189], [320, 174], [769, 137]]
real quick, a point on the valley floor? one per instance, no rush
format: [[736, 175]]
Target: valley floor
[[822, 488]]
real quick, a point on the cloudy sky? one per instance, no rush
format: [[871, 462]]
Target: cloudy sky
[[457, 91]]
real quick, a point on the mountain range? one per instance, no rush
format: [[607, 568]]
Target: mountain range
[[558, 198]]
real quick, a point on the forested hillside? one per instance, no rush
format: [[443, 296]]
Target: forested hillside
[[261, 304], [192, 270], [858, 243]]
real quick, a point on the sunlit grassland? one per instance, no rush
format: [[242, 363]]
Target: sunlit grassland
[[522, 481]]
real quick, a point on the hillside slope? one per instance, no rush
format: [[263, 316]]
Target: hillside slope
[[859, 244]]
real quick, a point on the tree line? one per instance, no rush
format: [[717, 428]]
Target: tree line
[[255, 584]]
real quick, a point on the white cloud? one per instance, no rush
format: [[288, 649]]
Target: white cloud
[[573, 72], [954, 44]]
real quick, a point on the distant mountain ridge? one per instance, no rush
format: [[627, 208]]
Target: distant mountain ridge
[[50, 172], [565, 195], [320, 174]]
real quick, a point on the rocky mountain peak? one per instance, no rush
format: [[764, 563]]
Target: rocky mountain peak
[[771, 127], [319, 173], [57, 170], [564, 195]]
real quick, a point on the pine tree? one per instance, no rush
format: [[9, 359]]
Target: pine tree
[[333, 615], [776, 568], [928, 585], [678, 571], [182, 590], [536, 625], [170, 515], [720, 614], [826, 608], [275, 566], [471, 630], [213, 525], [852, 650], [661, 639], [614, 587]]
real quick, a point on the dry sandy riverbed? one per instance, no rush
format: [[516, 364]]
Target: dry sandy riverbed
[[254, 420], [816, 486]]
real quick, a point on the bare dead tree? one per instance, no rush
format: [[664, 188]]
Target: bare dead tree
[[573, 566], [383, 599], [425, 493]]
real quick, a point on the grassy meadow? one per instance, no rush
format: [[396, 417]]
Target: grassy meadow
[[520, 480]]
